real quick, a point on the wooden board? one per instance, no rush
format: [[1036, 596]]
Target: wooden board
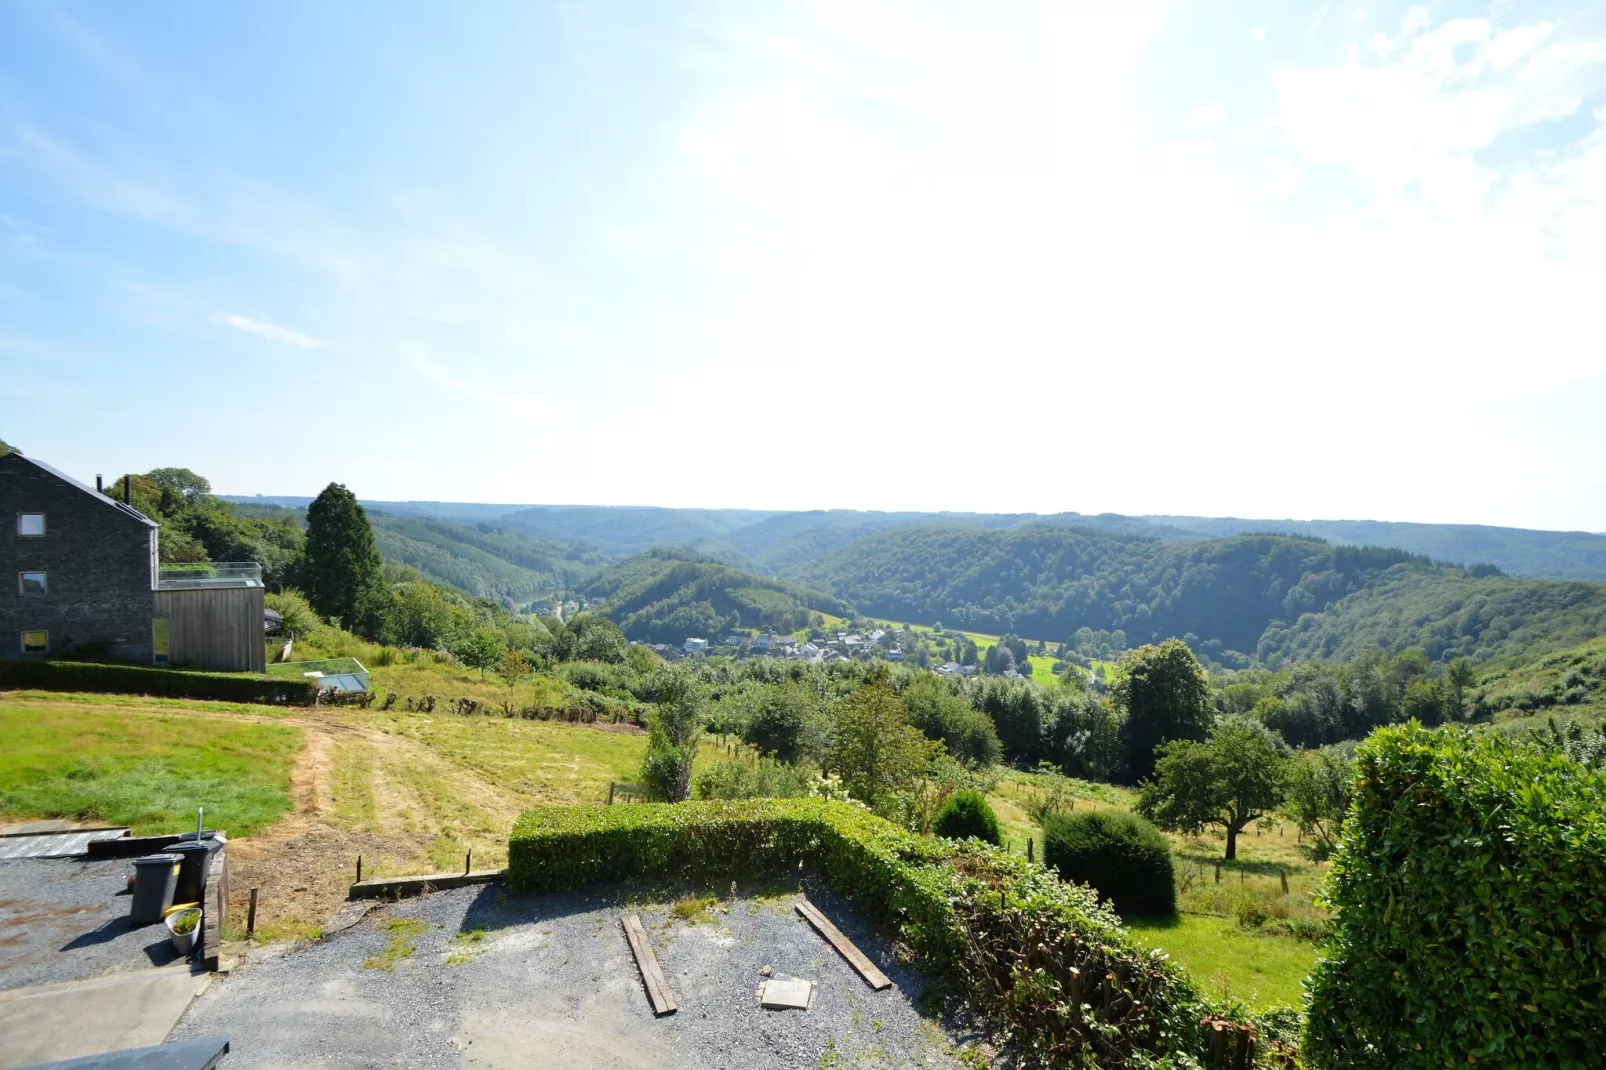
[[657, 988], [867, 969]]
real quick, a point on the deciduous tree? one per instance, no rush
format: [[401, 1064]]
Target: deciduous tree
[[1165, 695], [1237, 776]]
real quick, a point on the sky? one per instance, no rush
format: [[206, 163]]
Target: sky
[[1252, 259]]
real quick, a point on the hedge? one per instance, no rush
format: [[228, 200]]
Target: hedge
[[1124, 858], [164, 683], [1470, 883], [1057, 970]]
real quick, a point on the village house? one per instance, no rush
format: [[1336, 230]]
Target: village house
[[89, 582]]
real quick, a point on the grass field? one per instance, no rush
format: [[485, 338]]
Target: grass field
[[1235, 933], [92, 759], [1263, 970], [303, 793]]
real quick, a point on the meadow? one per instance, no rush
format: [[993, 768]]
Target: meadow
[[304, 792], [1237, 930]]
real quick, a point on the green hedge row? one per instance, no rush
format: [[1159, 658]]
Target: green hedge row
[[1069, 984], [1471, 887], [165, 683]]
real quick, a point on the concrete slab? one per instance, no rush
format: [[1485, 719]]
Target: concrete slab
[[786, 994], [63, 1021]]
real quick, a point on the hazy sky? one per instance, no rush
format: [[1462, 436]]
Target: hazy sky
[[1274, 259]]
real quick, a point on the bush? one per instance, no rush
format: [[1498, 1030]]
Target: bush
[[743, 779], [966, 813], [1019, 943], [163, 683], [1471, 925], [1123, 857], [296, 613]]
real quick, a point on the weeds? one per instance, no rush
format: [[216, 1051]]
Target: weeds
[[401, 945]]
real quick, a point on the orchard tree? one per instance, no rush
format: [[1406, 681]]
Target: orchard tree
[[1165, 695], [513, 668], [341, 571], [482, 650], [876, 750], [674, 730], [1237, 776], [1320, 786]]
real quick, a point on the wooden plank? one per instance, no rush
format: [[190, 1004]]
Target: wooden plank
[[657, 988], [856, 958]]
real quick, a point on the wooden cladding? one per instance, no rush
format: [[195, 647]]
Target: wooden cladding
[[217, 628]]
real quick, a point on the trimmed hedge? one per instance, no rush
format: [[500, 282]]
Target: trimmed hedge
[[1065, 979], [967, 814], [1123, 857], [1470, 883], [163, 683]]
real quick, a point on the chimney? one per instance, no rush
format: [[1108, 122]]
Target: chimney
[[128, 490], [99, 488]]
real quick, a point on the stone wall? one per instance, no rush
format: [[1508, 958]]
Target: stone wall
[[98, 559]]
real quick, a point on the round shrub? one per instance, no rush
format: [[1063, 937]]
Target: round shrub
[[1123, 857], [967, 814]]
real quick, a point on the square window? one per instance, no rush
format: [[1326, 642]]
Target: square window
[[35, 642], [31, 524], [31, 584]]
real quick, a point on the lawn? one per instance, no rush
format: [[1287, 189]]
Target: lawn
[[1260, 969], [1259, 959], [92, 758]]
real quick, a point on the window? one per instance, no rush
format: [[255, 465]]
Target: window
[[31, 584], [31, 524], [159, 640], [35, 642]]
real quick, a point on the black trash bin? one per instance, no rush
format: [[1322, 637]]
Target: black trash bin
[[196, 856], [155, 879]]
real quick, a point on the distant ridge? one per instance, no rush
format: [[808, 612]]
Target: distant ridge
[[774, 541]]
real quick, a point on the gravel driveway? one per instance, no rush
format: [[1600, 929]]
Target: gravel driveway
[[475, 977]]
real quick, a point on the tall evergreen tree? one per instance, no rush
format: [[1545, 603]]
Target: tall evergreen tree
[[342, 573]]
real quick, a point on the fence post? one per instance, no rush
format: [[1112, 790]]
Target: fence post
[[610, 793], [251, 916], [1284, 875], [468, 862], [1029, 857], [1218, 872], [359, 869]]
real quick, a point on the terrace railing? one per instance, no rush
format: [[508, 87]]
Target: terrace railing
[[180, 576]]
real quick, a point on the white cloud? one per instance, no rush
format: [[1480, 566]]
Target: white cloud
[[271, 331], [1207, 116], [1257, 34]]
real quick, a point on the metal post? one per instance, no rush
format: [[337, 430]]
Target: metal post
[[468, 861], [251, 915], [359, 869]]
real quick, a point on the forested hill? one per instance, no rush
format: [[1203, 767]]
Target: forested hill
[[1555, 555], [481, 559], [665, 595], [1225, 595], [1448, 613], [774, 542]]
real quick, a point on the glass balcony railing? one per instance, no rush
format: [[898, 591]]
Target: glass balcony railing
[[183, 576]]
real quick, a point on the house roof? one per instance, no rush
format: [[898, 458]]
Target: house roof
[[127, 510]]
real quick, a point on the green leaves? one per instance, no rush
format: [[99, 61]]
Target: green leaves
[[1468, 885]]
